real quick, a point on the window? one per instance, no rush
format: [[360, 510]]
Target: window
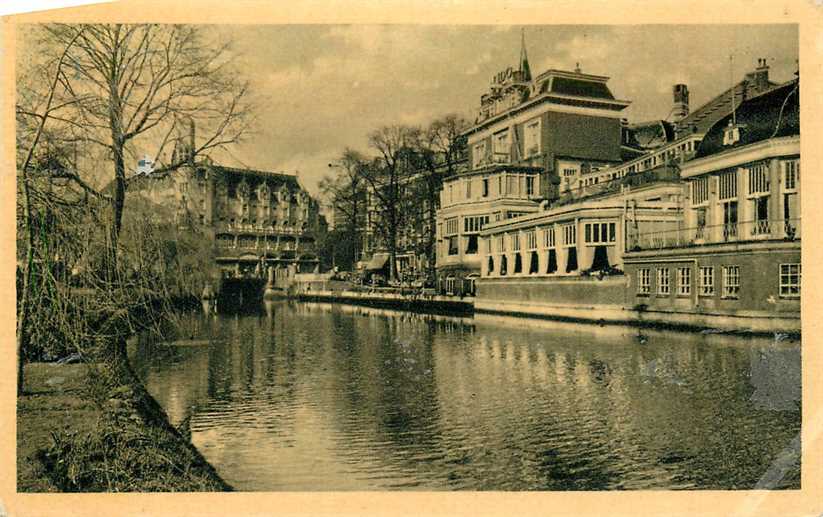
[[529, 185], [791, 175], [501, 242], [471, 244], [700, 190], [532, 138], [684, 281], [452, 245], [451, 227], [568, 173], [707, 281], [501, 146], [600, 233], [485, 187], [468, 189], [531, 240], [758, 179], [663, 286], [479, 155], [731, 281], [569, 235], [514, 238], [548, 237], [644, 281], [473, 224], [790, 280], [728, 185]]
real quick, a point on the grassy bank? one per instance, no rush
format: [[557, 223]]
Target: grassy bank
[[76, 433]]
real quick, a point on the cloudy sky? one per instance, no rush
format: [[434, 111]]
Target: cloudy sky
[[324, 87]]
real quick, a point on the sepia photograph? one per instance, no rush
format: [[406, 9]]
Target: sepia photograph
[[407, 257]]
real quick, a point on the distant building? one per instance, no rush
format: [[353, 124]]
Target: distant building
[[256, 219]]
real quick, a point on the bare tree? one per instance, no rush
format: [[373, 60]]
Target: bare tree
[[440, 148], [388, 180], [346, 194], [126, 89]]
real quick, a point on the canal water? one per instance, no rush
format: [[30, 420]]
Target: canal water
[[305, 396]]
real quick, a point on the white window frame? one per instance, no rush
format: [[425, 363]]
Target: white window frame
[[684, 281], [759, 182], [791, 169], [664, 287], [699, 191], [731, 282], [610, 229], [706, 281], [644, 281], [785, 276]]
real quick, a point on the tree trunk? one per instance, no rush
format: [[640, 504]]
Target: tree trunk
[[23, 315]]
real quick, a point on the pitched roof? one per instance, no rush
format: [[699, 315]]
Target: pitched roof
[[771, 114]]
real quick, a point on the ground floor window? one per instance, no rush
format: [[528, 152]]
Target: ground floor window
[[451, 283], [503, 265], [533, 263], [707, 281], [684, 281], [552, 267], [644, 281], [663, 286], [571, 260], [491, 265], [790, 280], [518, 263], [731, 281]]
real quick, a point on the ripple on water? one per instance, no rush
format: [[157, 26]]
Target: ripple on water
[[323, 398]]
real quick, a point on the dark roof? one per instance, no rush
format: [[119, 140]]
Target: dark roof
[[706, 115], [278, 177], [580, 88], [772, 114]]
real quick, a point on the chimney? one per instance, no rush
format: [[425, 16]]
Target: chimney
[[759, 79], [680, 108]]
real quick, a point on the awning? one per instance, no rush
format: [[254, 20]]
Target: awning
[[377, 262]]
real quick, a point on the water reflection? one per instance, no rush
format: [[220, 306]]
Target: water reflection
[[322, 397]]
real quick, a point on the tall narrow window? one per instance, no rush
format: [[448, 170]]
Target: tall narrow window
[[663, 286], [707, 281], [790, 280], [644, 283], [684, 281]]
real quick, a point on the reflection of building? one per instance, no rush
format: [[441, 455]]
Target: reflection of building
[[257, 219], [739, 251]]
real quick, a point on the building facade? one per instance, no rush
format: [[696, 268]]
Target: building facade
[[533, 140], [736, 261], [260, 223]]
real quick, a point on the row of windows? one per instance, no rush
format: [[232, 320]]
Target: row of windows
[[599, 233], [789, 281], [758, 184], [501, 145], [475, 223]]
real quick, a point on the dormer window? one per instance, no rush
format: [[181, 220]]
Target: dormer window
[[731, 135]]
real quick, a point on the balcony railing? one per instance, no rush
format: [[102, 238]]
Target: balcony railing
[[785, 229], [257, 229]]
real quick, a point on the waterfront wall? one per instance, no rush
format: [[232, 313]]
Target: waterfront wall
[[393, 300]]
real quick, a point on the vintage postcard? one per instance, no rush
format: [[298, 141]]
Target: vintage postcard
[[421, 259]]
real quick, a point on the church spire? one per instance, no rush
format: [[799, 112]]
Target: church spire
[[524, 59]]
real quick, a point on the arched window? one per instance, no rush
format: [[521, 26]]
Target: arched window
[[518, 264], [491, 265], [503, 265]]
